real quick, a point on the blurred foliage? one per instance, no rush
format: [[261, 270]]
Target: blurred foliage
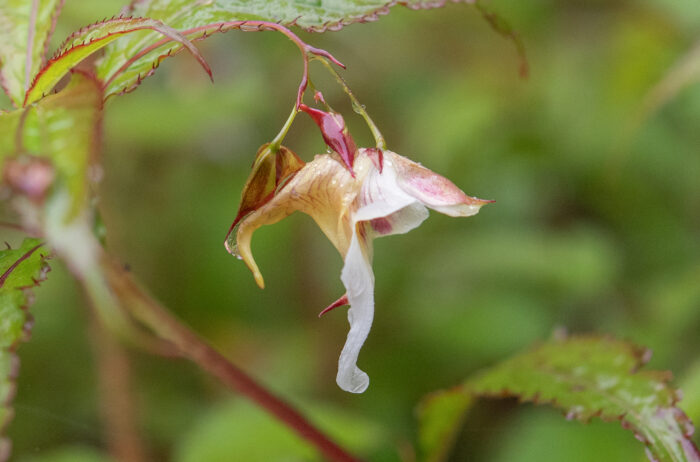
[[21, 269], [594, 228], [590, 376]]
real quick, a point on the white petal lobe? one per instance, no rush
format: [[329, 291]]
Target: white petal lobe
[[358, 279]]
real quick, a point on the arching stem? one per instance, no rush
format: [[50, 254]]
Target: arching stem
[[152, 314], [277, 141], [246, 26], [357, 107]]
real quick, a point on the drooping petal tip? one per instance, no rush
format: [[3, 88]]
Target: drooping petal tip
[[358, 279], [238, 245]]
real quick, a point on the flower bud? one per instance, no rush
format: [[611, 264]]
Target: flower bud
[[30, 176], [335, 134]]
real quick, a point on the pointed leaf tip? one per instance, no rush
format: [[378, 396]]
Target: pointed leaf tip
[[94, 37]]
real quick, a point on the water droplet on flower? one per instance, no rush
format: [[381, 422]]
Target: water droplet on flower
[[231, 243]]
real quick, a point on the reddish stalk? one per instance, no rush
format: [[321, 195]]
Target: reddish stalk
[[117, 406], [10, 226], [164, 324], [245, 26]]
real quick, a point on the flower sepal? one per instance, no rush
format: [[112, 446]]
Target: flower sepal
[[335, 134], [273, 166]]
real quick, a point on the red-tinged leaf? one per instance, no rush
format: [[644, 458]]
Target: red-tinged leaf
[[317, 16], [590, 377], [25, 30], [20, 270], [52, 143], [92, 38], [335, 134], [189, 17], [584, 377], [129, 61]]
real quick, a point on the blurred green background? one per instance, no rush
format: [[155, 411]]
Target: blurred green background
[[596, 229]]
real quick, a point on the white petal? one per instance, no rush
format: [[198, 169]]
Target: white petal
[[358, 279], [430, 189], [458, 210], [384, 201], [402, 221], [381, 195]]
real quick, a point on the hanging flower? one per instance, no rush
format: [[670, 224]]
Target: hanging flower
[[388, 194]]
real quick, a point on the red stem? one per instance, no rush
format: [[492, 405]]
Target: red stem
[[164, 324], [246, 26], [117, 402]]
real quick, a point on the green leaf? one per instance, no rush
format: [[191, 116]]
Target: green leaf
[[440, 416], [238, 427], [92, 38], [597, 377], [70, 454], [198, 19], [63, 128], [25, 29], [690, 386], [311, 15], [20, 270]]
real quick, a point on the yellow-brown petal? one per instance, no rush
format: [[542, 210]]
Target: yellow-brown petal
[[271, 168], [323, 189]]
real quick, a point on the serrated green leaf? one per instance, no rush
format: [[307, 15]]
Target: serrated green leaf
[[312, 15], [25, 29], [597, 377], [63, 128], [206, 15], [20, 269], [92, 38], [440, 415]]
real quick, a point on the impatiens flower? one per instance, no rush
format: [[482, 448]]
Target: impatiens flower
[[387, 195]]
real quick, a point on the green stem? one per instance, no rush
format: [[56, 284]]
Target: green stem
[[277, 141], [357, 107]]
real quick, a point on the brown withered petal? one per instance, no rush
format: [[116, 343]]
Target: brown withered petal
[[270, 170]]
